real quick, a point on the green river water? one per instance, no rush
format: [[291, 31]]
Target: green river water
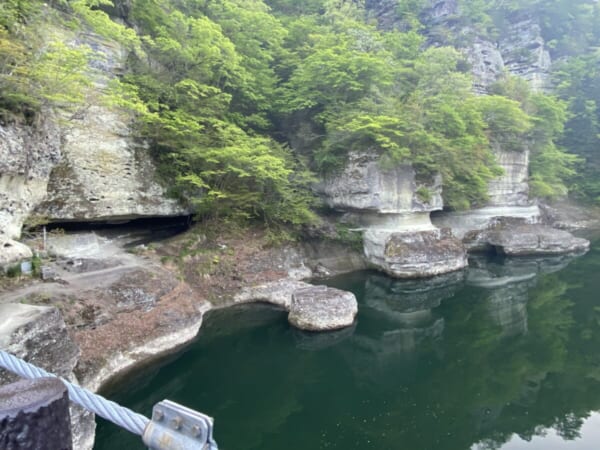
[[507, 357]]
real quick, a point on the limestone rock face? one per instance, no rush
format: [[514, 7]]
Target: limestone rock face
[[510, 222], [508, 202], [392, 208], [519, 49], [78, 166], [465, 223], [104, 173], [39, 336], [12, 252], [511, 188], [525, 53], [28, 152], [277, 293], [321, 308], [365, 186], [440, 10], [415, 254], [486, 62]]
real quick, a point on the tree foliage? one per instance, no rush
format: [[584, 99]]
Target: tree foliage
[[242, 101]]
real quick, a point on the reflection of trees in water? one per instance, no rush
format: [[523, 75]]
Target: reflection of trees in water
[[510, 361], [547, 378], [430, 365], [438, 365]]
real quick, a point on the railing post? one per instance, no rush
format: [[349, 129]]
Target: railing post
[[34, 414]]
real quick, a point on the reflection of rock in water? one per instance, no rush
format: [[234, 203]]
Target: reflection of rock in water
[[399, 341], [408, 339], [507, 307], [484, 272], [530, 390], [239, 318], [372, 359], [409, 302], [404, 311], [509, 281], [307, 340]]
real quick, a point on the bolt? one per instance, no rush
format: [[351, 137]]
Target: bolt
[[176, 423], [158, 415], [196, 432]]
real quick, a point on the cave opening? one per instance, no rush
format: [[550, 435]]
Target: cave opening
[[135, 231]]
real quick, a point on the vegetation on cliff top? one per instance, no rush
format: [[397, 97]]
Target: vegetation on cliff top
[[244, 101]]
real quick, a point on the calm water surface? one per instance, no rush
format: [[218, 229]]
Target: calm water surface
[[507, 357]]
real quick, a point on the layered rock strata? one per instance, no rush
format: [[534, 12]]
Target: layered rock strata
[[524, 51], [534, 240], [518, 49], [83, 166], [510, 223], [104, 173], [28, 152], [508, 198], [392, 208]]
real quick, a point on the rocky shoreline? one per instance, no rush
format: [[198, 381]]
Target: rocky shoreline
[[117, 311], [121, 309]]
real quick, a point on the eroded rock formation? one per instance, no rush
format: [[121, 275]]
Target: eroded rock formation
[[392, 207], [311, 308], [83, 166]]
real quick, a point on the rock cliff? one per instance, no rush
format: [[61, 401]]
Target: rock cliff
[[508, 198], [85, 166], [519, 49], [28, 152], [104, 173]]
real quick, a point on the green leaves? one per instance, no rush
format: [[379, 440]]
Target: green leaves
[[220, 87], [507, 124], [375, 92]]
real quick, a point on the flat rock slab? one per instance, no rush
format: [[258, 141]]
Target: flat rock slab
[[535, 240], [311, 308], [417, 254], [321, 308]]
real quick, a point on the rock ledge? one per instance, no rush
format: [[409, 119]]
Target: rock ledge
[[311, 308], [535, 240]]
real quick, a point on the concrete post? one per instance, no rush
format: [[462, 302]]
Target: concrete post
[[34, 415]]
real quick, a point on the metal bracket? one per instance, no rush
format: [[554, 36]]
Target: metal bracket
[[175, 427]]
